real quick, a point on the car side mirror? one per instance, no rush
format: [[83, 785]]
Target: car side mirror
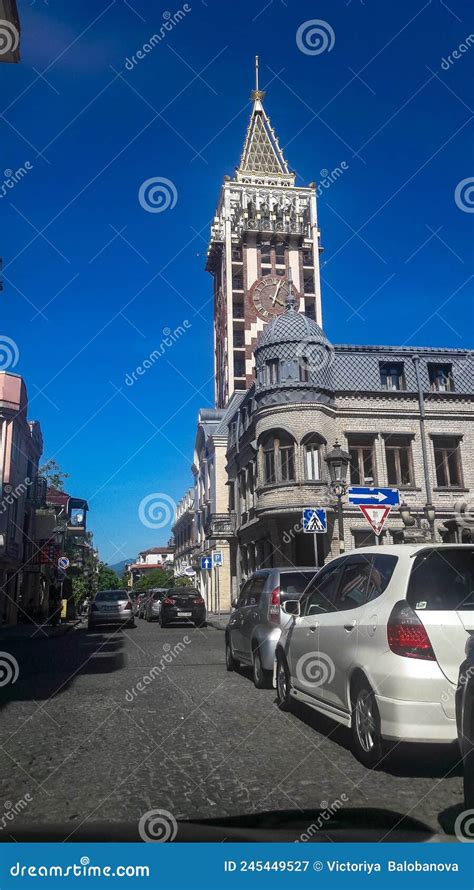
[[291, 607], [234, 602]]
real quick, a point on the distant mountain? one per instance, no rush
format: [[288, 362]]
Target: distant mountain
[[119, 567]]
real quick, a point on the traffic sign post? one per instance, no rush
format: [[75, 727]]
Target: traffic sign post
[[374, 503], [206, 563], [63, 563], [376, 515], [217, 559], [315, 521], [387, 497]]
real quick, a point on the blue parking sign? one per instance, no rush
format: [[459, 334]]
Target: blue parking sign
[[315, 521], [217, 558]]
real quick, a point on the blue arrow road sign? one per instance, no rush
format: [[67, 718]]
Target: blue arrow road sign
[[217, 559], [314, 521], [206, 562], [386, 497]]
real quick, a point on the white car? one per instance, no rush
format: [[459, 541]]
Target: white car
[[377, 640]]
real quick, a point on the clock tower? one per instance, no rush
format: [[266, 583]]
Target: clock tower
[[265, 233]]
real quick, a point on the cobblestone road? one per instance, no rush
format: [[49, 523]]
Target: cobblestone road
[[85, 744]]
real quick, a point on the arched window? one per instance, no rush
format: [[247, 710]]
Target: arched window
[[312, 458], [278, 450]]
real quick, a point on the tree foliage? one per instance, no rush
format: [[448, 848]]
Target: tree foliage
[[106, 578], [52, 472], [157, 578]]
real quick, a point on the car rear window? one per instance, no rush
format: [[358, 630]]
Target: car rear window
[[292, 584], [111, 595], [442, 581]]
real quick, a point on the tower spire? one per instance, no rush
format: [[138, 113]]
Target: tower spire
[[257, 95], [261, 153]]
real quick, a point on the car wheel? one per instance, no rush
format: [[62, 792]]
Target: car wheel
[[367, 743], [231, 663], [162, 622], [261, 677], [283, 684]]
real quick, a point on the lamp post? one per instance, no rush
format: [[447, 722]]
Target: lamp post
[[338, 461], [412, 522]]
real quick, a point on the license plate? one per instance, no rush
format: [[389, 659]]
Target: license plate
[[109, 608], [184, 614]]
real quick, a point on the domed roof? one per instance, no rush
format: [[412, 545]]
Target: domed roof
[[289, 327]]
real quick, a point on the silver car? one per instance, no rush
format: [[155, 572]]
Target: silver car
[[152, 607], [112, 607], [255, 625], [377, 640]]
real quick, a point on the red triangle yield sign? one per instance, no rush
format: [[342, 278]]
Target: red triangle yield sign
[[376, 515]]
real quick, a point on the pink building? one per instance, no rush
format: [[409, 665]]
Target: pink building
[[21, 446]]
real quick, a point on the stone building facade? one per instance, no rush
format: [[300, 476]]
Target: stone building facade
[[284, 395], [307, 395]]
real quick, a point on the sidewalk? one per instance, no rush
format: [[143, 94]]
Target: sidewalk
[[16, 632], [219, 622]]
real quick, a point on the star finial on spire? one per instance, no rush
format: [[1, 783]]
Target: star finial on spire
[[257, 94]]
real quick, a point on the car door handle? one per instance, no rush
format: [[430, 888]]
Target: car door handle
[[350, 626]]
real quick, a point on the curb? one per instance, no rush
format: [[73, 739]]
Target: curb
[[34, 636]]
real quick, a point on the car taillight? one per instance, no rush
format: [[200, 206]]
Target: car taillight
[[127, 606], [198, 601], [168, 601], [407, 635], [274, 610]]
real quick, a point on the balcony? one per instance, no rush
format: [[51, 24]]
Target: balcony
[[267, 224], [36, 492], [220, 525]]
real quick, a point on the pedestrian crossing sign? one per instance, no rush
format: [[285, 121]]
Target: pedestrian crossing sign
[[315, 521]]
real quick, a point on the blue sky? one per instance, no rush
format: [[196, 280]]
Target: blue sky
[[92, 279]]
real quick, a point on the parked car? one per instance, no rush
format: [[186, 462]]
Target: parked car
[[112, 607], [142, 601], [183, 604], [377, 640], [152, 606], [465, 720], [255, 625]]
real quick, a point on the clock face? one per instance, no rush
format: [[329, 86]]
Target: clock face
[[269, 295]]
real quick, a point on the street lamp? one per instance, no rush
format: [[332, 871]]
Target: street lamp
[[338, 461], [410, 521]]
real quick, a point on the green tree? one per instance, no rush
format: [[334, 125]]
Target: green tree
[[183, 581], [52, 472], [107, 578], [156, 578]]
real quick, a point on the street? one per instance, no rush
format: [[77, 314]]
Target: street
[[80, 741]]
